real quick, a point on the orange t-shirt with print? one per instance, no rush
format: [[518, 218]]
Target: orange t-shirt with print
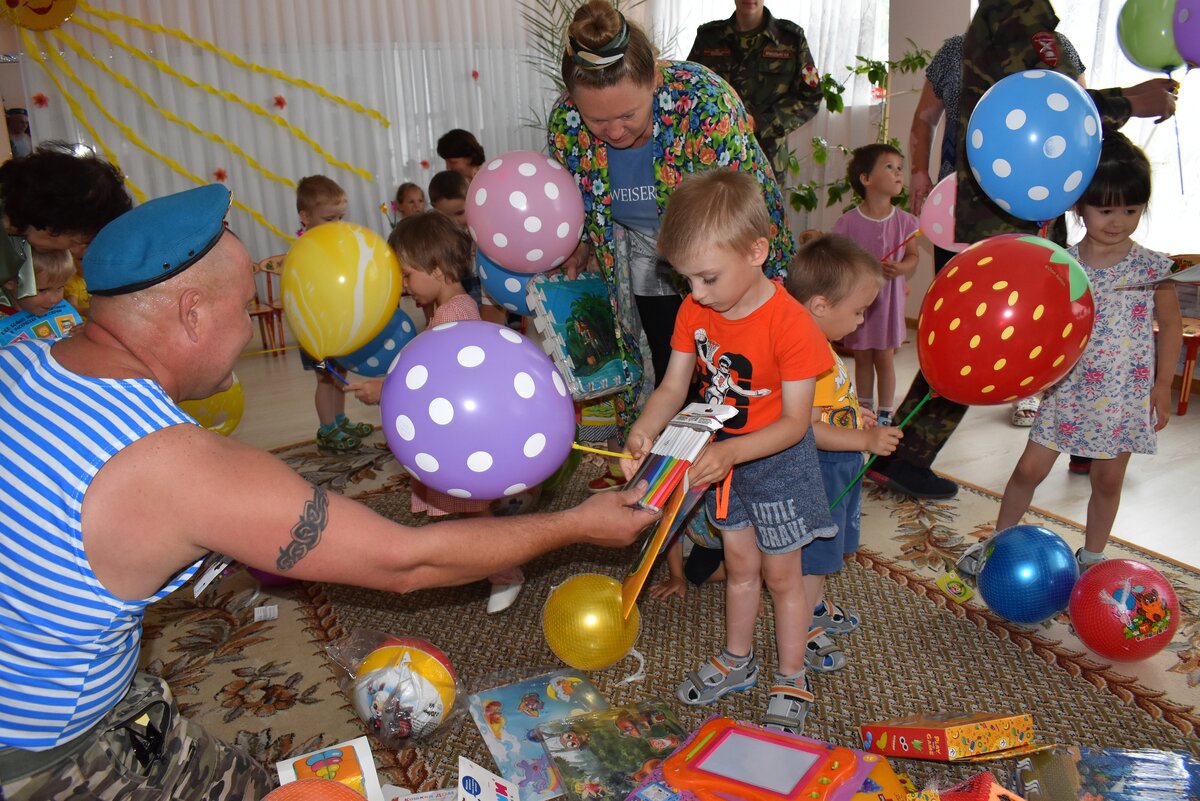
[[744, 362]]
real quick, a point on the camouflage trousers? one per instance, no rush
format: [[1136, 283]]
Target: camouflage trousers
[[142, 749]]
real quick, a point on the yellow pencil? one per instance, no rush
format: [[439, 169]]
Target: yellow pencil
[[590, 449]]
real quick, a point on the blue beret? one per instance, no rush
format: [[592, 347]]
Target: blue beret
[[155, 241]]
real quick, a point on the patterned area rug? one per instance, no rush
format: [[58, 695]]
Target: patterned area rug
[[268, 686]]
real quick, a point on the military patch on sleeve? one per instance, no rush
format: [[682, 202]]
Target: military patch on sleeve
[[1045, 44], [782, 53], [811, 76], [718, 52]]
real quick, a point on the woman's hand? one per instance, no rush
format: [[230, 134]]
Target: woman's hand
[[581, 260], [1153, 98]]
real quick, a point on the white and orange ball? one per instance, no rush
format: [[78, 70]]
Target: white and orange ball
[[405, 688]]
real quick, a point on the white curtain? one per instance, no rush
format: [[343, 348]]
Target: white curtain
[[426, 66], [837, 31], [1173, 147]]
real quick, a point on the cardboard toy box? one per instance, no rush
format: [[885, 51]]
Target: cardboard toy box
[[947, 737]]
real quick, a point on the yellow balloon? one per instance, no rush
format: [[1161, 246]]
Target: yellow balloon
[[220, 412], [583, 624], [39, 15], [340, 286]]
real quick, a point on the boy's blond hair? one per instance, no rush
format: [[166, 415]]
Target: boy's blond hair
[[314, 190], [831, 266], [431, 240], [714, 209], [52, 266]]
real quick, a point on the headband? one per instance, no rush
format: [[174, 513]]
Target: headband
[[598, 58]]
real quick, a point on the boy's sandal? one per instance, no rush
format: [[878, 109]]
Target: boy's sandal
[[822, 654], [1025, 411], [834, 619], [359, 430], [337, 441], [715, 679], [787, 706]]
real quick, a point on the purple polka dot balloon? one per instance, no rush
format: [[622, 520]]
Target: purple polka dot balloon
[[525, 212], [475, 410]]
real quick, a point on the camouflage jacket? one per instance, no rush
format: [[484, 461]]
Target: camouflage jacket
[[776, 78], [1005, 37]]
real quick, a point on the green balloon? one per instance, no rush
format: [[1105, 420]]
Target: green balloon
[[1146, 32]]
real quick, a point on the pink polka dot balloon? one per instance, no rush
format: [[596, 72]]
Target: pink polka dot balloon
[[525, 212], [475, 410], [937, 215]]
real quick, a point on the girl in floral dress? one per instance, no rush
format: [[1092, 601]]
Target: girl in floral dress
[[1116, 398]]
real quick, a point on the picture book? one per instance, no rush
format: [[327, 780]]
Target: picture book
[[575, 318], [602, 756], [508, 717]]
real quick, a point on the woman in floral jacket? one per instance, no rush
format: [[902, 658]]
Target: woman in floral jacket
[[629, 128]]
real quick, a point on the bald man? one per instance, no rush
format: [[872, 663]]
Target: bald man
[[116, 496]]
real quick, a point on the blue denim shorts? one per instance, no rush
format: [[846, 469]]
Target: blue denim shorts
[[780, 496], [822, 557]]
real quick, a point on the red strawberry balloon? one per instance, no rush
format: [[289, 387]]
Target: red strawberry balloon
[[1005, 319]]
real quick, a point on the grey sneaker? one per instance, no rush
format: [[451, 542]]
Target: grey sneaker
[[969, 564]]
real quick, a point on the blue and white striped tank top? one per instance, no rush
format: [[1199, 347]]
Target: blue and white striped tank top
[[68, 647]]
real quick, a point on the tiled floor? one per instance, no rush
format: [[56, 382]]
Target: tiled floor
[[1161, 492]]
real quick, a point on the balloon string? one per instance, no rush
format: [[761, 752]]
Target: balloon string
[[330, 366], [894, 250], [875, 456], [601, 451], [640, 673], [1043, 229], [1178, 147]]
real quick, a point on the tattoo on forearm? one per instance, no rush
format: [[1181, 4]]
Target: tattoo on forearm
[[306, 534]]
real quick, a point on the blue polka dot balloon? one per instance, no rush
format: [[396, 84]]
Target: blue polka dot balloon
[[1028, 574], [1033, 143], [375, 358], [504, 286]]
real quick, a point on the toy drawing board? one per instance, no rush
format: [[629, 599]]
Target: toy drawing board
[[725, 760], [508, 716], [575, 318]]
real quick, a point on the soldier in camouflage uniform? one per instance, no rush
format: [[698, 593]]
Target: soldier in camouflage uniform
[[767, 61], [1005, 37], [142, 749]]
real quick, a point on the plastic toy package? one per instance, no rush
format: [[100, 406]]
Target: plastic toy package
[[402, 687]]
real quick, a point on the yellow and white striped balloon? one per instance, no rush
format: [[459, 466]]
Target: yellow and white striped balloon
[[220, 412], [340, 285]]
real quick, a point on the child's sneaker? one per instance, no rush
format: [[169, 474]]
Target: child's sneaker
[[716, 678], [884, 418], [833, 618], [1084, 562], [334, 440], [970, 563], [788, 702], [360, 430]]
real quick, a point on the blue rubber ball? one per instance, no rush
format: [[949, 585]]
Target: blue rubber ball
[[1027, 575]]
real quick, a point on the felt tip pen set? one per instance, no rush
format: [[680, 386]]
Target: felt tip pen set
[[676, 448]]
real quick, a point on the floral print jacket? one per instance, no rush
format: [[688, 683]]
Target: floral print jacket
[[699, 123]]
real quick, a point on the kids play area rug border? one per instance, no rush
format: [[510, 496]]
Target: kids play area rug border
[[267, 684]]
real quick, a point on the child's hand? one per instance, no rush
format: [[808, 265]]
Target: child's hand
[[891, 269], [674, 586], [868, 417], [1160, 406], [366, 391], [882, 440], [713, 463], [639, 444]]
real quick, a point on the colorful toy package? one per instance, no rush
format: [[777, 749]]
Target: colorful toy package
[[603, 755], [947, 737], [1066, 773], [508, 717]]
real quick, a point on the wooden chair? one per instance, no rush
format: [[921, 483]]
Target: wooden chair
[[267, 307]]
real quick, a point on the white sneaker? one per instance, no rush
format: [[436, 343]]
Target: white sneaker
[[968, 565], [502, 597]]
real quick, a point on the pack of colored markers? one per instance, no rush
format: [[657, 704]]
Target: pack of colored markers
[[677, 447]]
